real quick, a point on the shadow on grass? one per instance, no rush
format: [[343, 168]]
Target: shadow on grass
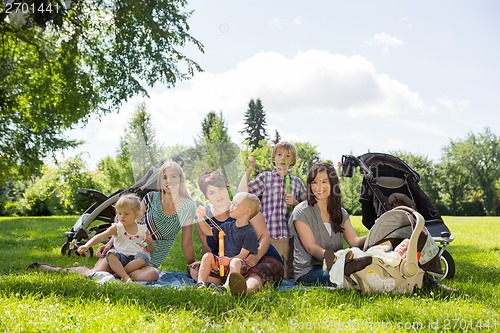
[[476, 263]]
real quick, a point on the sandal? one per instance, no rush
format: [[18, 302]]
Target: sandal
[[237, 284]]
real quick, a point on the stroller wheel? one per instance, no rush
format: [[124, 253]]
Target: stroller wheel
[[70, 251], [447, 265]]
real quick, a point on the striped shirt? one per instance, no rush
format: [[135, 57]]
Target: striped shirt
[[165, 228], [271, 188]]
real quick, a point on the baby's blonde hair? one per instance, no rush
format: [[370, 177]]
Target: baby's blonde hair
[[129, 200], [253, 203]]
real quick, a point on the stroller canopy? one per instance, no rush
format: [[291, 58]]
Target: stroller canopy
[[388, 182]]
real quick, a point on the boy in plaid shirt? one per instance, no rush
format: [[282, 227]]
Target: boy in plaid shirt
[[279, 192]]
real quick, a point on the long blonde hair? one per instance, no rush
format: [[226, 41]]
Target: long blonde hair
[[183, 191]]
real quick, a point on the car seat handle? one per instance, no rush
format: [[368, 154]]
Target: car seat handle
[[410, 263]]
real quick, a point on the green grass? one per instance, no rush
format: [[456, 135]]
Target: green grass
[[37, 301]]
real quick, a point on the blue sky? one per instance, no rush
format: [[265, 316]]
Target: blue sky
[[345, 76]]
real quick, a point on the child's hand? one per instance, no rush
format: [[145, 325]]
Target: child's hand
[[101, 251], [201, 213], [148, 239], [251, 160], [82, 248], [251, 260], [225, 261], [290, 200]]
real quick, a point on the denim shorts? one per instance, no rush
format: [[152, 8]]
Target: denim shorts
[[316, 276], [125, 259]]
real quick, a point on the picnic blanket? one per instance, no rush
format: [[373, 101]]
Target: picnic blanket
[[176, 280]]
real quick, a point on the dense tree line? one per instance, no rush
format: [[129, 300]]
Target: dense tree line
[[465, 181]]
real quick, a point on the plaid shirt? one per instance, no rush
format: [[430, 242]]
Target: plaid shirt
[[271, 188]]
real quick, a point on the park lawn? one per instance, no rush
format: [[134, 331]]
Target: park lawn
[[36, 301]]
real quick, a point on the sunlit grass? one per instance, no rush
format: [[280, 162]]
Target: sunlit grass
[[38, 301]]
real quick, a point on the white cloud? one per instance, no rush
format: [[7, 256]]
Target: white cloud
[[451, 105], [280, 23], [406, 22], [276, 22], [314, 81], [384, 41], [312, 84]]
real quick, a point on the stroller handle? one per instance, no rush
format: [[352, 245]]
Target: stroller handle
[[410, 264]]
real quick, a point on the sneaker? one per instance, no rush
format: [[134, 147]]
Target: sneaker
[[217, 288], [430, 283], [200, 285], [237, 284], [445, 288]]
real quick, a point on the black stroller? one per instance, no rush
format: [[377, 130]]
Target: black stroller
[[103, 210], [389, 182]]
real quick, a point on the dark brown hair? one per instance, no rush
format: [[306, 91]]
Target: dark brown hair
[[334, 202], [215, 178]]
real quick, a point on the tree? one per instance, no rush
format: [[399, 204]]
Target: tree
[[427, 171], [478, 157], [307, 156], [144, 150], [351, 190], [453, 184], [55, 191], [277, 137], [255, 122], [116, 173], [215, 150], [62, 66]]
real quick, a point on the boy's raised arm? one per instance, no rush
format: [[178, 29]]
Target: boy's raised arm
[[243, 186]]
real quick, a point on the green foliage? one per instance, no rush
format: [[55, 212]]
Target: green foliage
[[55, 191], [213, 150], [143, 148], [263, 154], [73, 175], [51, 301], [40, 198], [475, 160], [351, 190], [10, 195], [307, 156], [426, 169], [114, 176], [58, 68], [471, 208]]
